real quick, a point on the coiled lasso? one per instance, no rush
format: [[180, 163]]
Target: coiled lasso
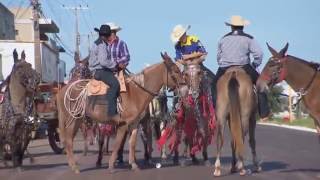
[[76, 106]]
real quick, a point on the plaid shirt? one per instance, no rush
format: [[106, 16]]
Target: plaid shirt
[[235, 49], [119, 51]]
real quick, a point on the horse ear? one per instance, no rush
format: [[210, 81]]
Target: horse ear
[[167, 59], [23, 55], [15, 56], [284, 50], [273, 51]]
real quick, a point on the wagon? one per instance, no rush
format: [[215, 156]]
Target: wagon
[[46, 112]]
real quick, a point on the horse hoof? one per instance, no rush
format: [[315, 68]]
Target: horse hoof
[[98, 164], [195, 161], [76, 169], [243, 172], [257, 169], [183, 163], [19, 169], [111, 170], [31, 160], [233, 170], [217, 172], [135, 167], [207, 163]]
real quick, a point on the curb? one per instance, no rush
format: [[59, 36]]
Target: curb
[[289, 127]]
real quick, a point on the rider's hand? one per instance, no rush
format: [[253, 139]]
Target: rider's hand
[[122, 66]]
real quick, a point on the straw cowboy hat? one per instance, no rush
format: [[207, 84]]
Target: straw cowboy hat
[[237, 21], [178, 32], [114, 26]]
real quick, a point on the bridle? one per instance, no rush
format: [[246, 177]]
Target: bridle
[[280, 74]]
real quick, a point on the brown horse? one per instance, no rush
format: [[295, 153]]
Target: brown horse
[[16, 111], [302, 76], [236, 102], [134, 102]]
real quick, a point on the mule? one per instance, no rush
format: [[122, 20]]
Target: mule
[[236, 103], [301, 75], [16, 112], [133, 102]]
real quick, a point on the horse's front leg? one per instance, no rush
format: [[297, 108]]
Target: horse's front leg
[[132, 149], [120, 135]]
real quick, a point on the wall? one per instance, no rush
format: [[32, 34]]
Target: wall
[[7, 28]]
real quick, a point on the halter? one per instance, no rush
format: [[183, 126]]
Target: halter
[[279, 74]]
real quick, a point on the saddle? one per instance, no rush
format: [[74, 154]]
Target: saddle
[[96, 88]]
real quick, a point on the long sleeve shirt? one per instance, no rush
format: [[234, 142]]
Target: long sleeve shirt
[[235, 49], [192, 45], [119, 51], [100, 57]]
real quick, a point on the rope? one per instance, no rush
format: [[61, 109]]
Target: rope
[[76, 106]]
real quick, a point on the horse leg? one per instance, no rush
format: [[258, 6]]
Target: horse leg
[[85, 137], [101, 138], [69, 137], [132, 150], [252, 142], [120, 135], [205, 152], [163, 149], [217, 164], [107, 144]]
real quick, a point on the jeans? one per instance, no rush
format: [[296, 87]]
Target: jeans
[[106, 75]]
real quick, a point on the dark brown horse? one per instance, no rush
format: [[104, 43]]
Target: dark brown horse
[[301, 75], [236, 103], [134, 102], [16, 112]]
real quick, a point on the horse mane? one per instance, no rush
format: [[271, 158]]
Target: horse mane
[[139, 77], [311, 64]]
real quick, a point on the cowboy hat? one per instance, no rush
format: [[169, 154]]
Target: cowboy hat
[[114, 26], [104, 30], [177, 32], [237, 21]]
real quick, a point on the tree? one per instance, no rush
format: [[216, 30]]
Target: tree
[[277, 99]]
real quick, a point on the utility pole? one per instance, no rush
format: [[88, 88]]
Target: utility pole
[[76, 10], [36, 31]]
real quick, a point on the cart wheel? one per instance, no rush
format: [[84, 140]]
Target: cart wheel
[[54, 140]]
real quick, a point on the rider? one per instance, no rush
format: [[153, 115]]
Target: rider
[[234, 49], [189, 47], [117, 47], [120, 54], [103, 66]]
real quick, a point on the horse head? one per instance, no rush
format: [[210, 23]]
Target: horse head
[[173, 77], [194, 75], [275, 69], [80, 70], [24, 74]]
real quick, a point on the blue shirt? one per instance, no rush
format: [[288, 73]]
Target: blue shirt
[[192, 45], [100, 56], [235, 49]]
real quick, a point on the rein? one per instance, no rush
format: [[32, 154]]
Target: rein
[[153, 93]]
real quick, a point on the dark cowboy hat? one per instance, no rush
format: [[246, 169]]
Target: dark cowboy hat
[[104, 30]]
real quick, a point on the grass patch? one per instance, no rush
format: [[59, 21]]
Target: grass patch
[[303, 122]]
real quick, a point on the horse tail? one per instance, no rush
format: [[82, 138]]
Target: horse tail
[[235, 117]]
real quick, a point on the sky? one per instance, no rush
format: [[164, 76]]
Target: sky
[[147, 24]]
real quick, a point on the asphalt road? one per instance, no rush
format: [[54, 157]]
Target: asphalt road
[[284, 154]]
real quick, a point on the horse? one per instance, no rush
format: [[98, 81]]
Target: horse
[[16, 111], [282, 67], [236, 103], [133, 102], [194, 114]]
